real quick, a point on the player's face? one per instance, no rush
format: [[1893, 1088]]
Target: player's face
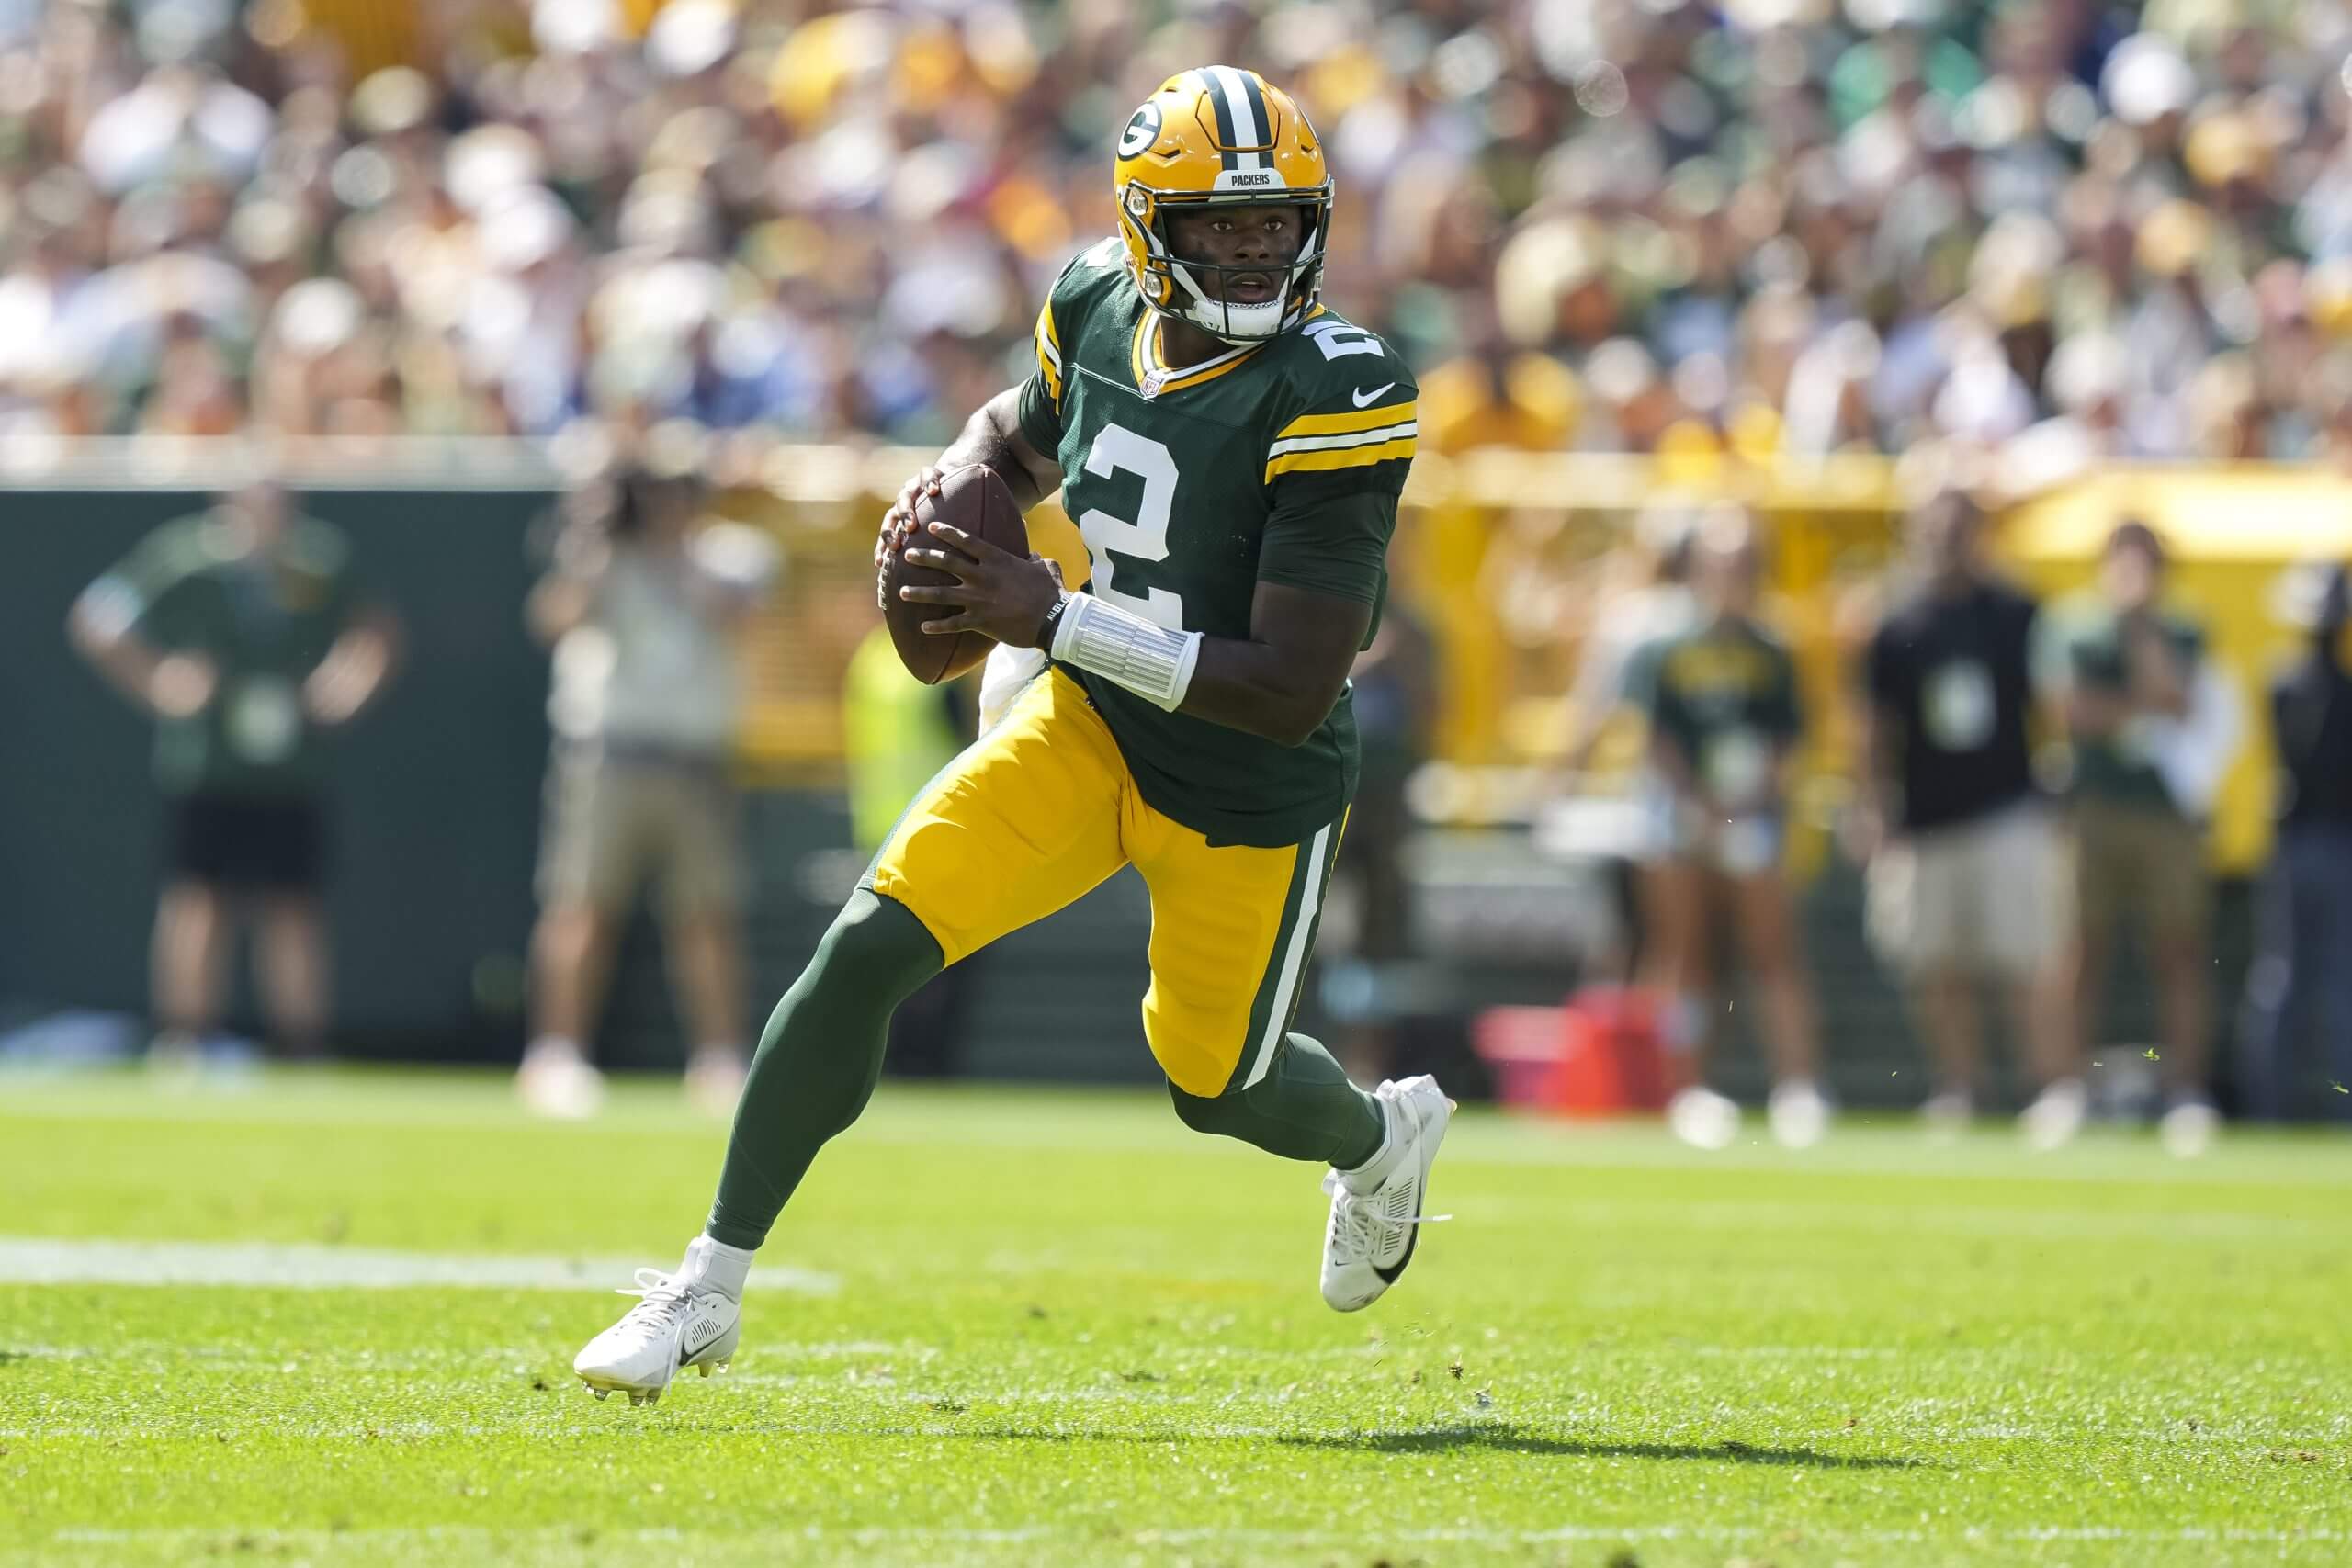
[[1243, 237]]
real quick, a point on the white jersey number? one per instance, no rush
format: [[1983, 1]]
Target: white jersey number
[[1145, 538], [1337, 339]]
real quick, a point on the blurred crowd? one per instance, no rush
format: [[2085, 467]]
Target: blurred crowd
[[1800, 226]]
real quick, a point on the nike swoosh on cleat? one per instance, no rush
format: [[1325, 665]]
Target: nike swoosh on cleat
[[1412, 1240], [1365, 400]]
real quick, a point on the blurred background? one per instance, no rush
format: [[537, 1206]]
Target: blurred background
[[444, 264]]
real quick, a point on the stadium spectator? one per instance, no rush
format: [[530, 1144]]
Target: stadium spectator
[[1961, 853], [1721, 702], [2299, 985], [1738, 228], [1648, 601], [245, 631], [2151, 728], [640, 608]]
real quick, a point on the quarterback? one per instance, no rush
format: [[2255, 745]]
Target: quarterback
[[1232, 452]]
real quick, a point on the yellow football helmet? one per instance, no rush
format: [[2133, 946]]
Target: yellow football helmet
[[1219, 136]]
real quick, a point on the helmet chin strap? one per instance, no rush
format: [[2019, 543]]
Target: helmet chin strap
[[1239, 324]]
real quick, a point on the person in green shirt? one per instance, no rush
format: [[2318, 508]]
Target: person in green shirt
[[240, 629], [1721, 697], [2128, 673]]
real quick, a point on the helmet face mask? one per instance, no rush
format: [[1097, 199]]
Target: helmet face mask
[[1219, 138]]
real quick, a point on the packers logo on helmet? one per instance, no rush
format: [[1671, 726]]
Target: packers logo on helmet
[[1220, 137]]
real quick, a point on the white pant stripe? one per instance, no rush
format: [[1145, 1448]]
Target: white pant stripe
[[1310, 901]]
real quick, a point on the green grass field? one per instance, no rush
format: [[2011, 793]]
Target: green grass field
[[1058, 1328]]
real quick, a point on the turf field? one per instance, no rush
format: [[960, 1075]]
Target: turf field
[[1056, 1329]]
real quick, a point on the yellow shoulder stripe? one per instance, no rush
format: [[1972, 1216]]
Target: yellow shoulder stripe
[[1341, 457], [1347, 423], [1050, 352]]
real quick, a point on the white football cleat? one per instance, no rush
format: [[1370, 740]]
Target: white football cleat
[[1798, 1112], [2055, 1115], [679, 1321], [1704, 1119], [556, 1081], [1376, 1209]]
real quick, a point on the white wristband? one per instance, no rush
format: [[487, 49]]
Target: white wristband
[[1148, 660]]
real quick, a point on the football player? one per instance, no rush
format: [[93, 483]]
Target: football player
[[1232, 452]]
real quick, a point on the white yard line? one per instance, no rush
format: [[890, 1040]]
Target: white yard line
[[42, 1260]]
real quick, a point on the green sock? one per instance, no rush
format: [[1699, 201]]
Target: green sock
[[817, 1060], [1304, 1108]]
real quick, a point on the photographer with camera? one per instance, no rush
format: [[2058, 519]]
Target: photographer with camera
[[640, 607]]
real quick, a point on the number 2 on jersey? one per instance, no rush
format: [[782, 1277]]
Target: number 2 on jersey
[[1145, 538]]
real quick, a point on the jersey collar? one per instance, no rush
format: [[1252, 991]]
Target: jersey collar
[[1153, 378]]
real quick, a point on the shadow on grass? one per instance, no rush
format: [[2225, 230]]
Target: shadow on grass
[[1468, 1436], [1509, 1438]]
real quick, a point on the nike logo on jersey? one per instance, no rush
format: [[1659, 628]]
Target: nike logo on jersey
[[1365, 399]]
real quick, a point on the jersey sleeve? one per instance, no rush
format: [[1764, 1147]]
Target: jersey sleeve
[[1334, 470], [135, 594], [1058, 325]]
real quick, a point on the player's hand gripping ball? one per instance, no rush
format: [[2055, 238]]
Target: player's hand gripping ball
[[954, 575]]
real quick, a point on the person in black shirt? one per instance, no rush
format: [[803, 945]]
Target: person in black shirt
[[1963, 862], [2302, 968]]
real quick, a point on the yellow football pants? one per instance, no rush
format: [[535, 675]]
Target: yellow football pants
[[1041, 809]]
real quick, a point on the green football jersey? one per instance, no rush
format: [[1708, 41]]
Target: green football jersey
[[1280, 462]]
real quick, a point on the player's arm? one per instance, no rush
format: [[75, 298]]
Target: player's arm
[[1282, 683], [1014, 432], [1279, 682], [104, 627], [992, 436], [1333, 475]]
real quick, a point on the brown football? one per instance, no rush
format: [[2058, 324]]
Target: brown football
[[973, 499]]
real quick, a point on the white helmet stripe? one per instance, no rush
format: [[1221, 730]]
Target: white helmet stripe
[[1239, 108]]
